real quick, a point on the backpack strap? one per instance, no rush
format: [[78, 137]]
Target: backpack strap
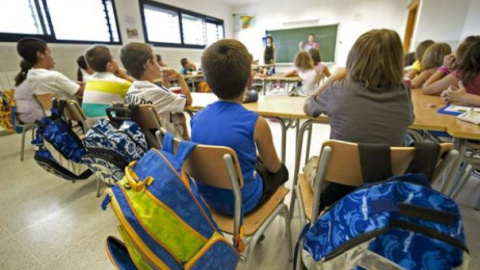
[[183, 150], [375, 162], [425, 159]]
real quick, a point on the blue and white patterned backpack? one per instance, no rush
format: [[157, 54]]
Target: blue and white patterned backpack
[[61, 151], [111, 145], [399, 223]]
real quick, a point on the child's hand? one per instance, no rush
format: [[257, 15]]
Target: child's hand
[[121, 73], [449, 61], [455, 95]]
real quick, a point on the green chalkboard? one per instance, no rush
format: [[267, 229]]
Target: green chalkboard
[[286, 41]]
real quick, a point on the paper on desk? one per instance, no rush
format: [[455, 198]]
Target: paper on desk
[[458, 108], [471, 115]]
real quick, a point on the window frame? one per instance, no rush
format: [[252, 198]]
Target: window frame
[[179, 12], [47, 25]]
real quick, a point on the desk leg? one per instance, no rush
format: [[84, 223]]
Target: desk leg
[[452, 174], [309, 141], [284, 137]]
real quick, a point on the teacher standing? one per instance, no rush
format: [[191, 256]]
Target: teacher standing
[[311, 44]]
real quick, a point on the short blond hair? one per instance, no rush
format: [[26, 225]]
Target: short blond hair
[[433, 56], [376, 59], [303, 61]]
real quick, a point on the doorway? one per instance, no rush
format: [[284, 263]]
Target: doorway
[[411, 19]]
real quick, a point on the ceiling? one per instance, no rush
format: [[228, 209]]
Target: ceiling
[[239, 2]]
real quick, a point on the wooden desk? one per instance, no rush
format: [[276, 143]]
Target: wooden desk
[[278, 107]]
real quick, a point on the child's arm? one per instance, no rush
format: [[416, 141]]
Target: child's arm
[[458, 95], [291, 73], [273, 59], [448, 64], [422, 77], [437, 87], [339, 74], [174, 75], [266, 149], [326, 71]]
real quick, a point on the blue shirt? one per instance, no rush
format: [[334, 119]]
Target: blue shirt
[[229, 124]]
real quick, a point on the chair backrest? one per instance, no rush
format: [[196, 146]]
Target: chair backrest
[[147, 117], [74, 112], [45, 101], [346, 155], [340, 163], [207, 164]]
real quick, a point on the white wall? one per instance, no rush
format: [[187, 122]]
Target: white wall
[[355, 17], [128, 12], [443, 21], [472, 20]]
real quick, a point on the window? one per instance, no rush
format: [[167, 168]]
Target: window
[[69, 21], [169, 26]]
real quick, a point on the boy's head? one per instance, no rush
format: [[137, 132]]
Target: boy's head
[[139, 60], [226, 66], [159, 60], [36, 52], [376, 59], [184, 62], [315, 54], [303, 61], [433, 57], [270, 38], [422, 47], [100, 59]]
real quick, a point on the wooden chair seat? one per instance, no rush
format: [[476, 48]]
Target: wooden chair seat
[[255, 219]]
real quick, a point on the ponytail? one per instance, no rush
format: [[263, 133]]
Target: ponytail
[[22, 75]]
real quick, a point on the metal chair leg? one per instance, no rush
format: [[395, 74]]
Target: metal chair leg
[[98, 187], [288, 232], [22, 148], [463, 178], [292, 205]]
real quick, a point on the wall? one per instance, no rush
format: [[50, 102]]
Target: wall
[[355, 17], [128, 12], [442, 21], [472, 20]]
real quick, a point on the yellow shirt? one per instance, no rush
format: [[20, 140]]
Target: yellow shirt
[[416, 66]]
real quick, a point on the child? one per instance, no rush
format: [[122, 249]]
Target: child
[[187, 67], [27, 107], [463, 67], [41, 79], [141, 63], [83, 71], [305, 70], [317, 62], [371, 105], [417, 67], [226, 66], [432, 59], [108, 84], [269, 53]]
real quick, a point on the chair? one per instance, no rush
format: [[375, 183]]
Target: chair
[[25, 129], [45, 101], [339, 162], [219, 167]]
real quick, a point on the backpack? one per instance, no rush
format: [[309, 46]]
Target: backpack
[[61, 150], [383, 224], [399, 223], [112, 144], [164, 223], [7, 112]]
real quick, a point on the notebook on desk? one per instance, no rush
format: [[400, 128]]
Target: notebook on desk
[[455, 109]]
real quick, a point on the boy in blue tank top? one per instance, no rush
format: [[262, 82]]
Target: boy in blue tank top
[[226, 66]]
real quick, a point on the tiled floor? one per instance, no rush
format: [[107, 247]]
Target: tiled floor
[[48, 223]]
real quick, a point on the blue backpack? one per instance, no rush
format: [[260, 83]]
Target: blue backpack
[[61, 149], [112, 144], [164, 223], [400, 222]]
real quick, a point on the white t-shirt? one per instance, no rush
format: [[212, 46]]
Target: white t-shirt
[[164, 102], [43, 81], [308, 81]]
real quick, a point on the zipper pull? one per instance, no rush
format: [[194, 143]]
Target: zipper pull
[[106, 201]]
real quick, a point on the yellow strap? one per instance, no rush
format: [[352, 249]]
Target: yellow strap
[[238, 240], [133, 181]]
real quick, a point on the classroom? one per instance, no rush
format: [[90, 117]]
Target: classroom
[[47, 222]]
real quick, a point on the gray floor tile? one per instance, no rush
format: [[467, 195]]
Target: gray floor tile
[[54, 235], [14, 256], [4, 233]]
